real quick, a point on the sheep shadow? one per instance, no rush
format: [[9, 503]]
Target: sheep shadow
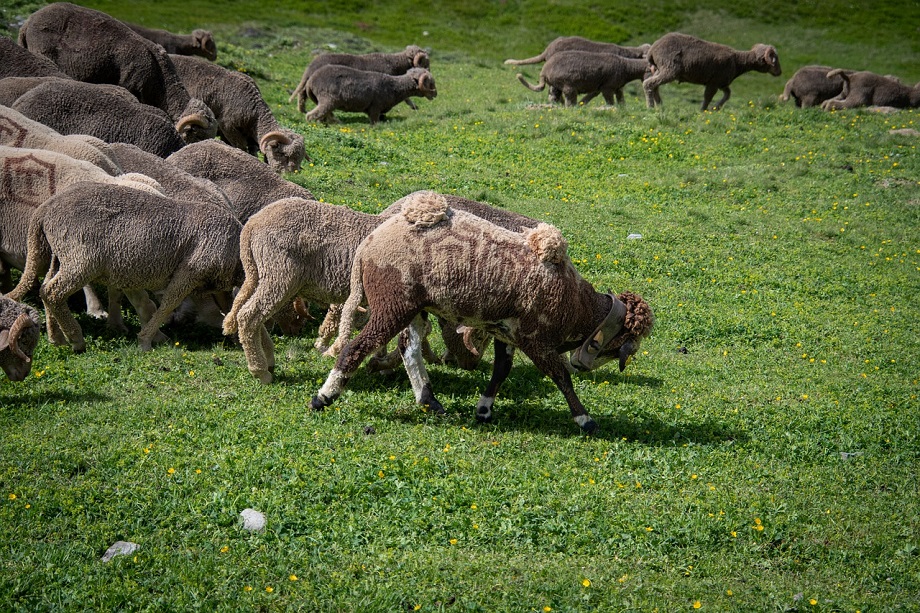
[[32, 400]]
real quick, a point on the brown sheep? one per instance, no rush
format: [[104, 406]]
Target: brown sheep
[[199, 42], [17, 61], [585, 72], [810, 86], [869, 89], [684, 58], [388, 63], [578, 43]]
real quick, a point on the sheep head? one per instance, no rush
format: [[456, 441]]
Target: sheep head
[[284, 150], [18, 342], [197, 122], [618, 336], [204, 42], [425, 82], [769, 59], [418, 56]]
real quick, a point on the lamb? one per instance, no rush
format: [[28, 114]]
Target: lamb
[[299, 247], [249, 184], [577, 43], [19, 333], [388, 63], [17, 61], [17, 130], [684, 58], [585, 72], [343, 88], [810, 86], [92, 46], [519, 287], [243, 118], [866, 88], [107, 112], [199, 42], [128, 239]]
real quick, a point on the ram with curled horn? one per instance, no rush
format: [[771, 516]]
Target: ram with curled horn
[[19, 333]]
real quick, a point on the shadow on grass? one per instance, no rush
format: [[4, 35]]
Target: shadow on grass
[[33, 400]]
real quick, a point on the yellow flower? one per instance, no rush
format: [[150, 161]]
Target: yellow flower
[[293, 577], [586, 582], [248, 588], [697, 604], [547, 609], [453, 541], [224, 549], [269, 589], [171, 470], [729, 593], [12, 496], [812, 602], [197, 471]]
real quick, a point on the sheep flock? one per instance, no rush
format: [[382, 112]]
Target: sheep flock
[[132, 166]]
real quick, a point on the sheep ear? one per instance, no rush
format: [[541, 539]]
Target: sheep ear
[[4, 339]]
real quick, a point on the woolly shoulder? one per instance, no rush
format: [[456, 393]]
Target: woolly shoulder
[[547, 243], [639, 316], [425, 209]]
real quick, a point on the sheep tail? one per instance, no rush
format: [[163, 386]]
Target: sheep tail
[[299, 92], [839, 72], [531, 60], [38, 258], [539, 87], [547, 243], [250, 283]]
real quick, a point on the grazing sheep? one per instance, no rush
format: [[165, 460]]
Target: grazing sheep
[[810, 86], [131, 240], [866, 88], [17, 130], [199, 42], [388, 63], [519, 287], [248, 183], [683, 58], [585, 72], [342, 88], [20, 328], [107, 112], [12, 88], [243, 118], [17, 61], [577, 43], [94, 47]]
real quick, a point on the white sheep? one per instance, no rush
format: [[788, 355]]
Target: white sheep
[[684, 58], [519, 287], [131, 240]]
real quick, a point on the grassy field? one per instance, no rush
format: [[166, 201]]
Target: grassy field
[[760, 453]]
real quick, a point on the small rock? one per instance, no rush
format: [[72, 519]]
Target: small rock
[[368, 430], [119, 548], [634, 237], [846, 455], [252, 520], [683, 350], [905, 132]]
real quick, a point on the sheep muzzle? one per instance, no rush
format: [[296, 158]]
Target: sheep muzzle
[[583, 358]]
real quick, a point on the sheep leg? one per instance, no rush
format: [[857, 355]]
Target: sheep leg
[[504, 355], [176, 291], [552, 365], [570, 95], [377, 333], [54, 293], [410, 347], [328, 329], [651, 85], [93, 303], [411, 104], [322, 113], [251, 317], [115, 321], [589, 97], [145, 308]]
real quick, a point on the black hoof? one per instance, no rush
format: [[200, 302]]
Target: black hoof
[[483, 415], [435, 407], [316, 404], [590, 427]]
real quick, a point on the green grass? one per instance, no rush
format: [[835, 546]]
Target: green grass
[[773, 466]]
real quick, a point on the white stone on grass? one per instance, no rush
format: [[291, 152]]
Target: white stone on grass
[[252, 520], [119, 548]]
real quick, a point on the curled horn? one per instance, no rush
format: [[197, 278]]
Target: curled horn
[[190, 121], [281, 137], [22, 322], [301, 308], [467, 335]]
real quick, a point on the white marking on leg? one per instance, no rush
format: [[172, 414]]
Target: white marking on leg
[[333, 386], [414, 362], [581, 420], [484, 407]]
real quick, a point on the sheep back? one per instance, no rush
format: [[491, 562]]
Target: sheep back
[[810, 86], [17, 61], [199, 42]]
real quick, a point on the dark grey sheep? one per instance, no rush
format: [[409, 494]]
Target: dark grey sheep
[[810, 86], [107, 112], [589, 73], [866, 88], [578, 43], [17, 61], [131, 240], [244, 119], [20, 328], [199, 42], [388, 63], [248, 183], [684, 58], [92, 46], [342, 88]]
